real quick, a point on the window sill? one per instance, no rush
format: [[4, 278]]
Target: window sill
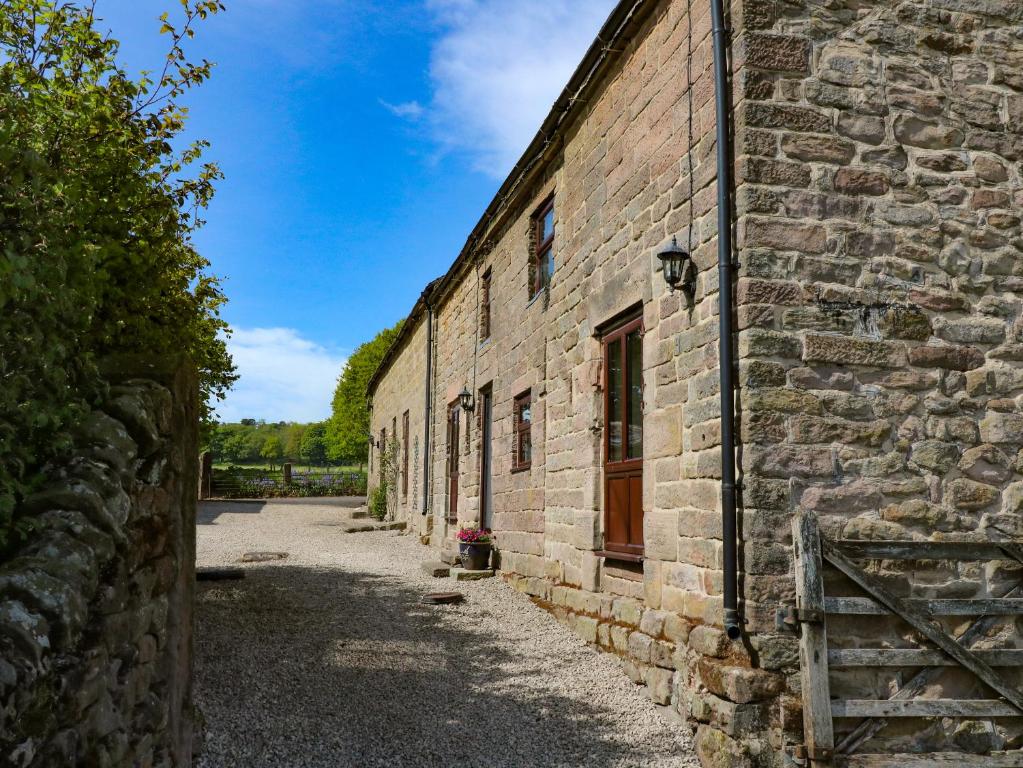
[[624, 557], [485, 343], [536, 298], [523, 468]]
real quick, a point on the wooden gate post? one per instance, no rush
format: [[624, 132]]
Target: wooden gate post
[[818, 729], [286, 469]]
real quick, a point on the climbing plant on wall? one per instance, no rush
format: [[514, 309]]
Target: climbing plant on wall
[[97, 213], [384, 501]]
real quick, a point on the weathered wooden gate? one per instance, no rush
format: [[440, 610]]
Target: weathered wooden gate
[[813, 606]]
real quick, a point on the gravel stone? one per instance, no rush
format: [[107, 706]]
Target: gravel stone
[[329, 658]]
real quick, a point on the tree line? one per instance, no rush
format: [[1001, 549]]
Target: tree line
[[257, 442]]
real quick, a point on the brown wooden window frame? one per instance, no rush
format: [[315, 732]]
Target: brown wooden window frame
[[404, 453], [619, 336], [486, 316], [541, 247], [522, 430]]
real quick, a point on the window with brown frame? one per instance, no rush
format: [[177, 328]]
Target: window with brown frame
[[542, 266], [382, 448], [404, 454], [485, 306], [522, 457]]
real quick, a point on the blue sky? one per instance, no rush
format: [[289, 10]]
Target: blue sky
[[361, 141]]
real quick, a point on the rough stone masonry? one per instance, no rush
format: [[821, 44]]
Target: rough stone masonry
[[877, 149], [96, 608]]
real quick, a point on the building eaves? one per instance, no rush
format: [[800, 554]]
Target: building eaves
[[605, 50]]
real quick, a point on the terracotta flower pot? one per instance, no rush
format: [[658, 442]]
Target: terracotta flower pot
[[475, 557]]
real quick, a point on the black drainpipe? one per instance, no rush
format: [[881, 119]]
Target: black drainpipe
[[429, 402], [729, 534]]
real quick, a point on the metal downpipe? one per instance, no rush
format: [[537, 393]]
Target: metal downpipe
[[428, 415], [723, 112]]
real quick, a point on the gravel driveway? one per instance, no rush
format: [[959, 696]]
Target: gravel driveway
[[328, 658]]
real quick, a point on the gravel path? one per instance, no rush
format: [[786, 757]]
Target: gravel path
[[328, 658]]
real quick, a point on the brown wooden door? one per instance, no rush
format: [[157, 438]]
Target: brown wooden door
[[454, 423], [623, 439]]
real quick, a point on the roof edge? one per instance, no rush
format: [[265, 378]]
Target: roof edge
[[626, 16]]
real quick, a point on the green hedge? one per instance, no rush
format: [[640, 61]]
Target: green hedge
[[97, 212]]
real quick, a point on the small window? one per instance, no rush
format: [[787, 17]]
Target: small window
[[485, 306], [523, 448], [404, 454], [543, 254], [383, 448]]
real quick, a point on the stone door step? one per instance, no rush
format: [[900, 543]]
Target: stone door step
[[367, 527], [463, 575], [451, 557], [436, 568], [262, 557]]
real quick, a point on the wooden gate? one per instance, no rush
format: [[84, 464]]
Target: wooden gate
[[943, 650]]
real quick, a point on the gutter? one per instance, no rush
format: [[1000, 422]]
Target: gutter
[[726, 362]]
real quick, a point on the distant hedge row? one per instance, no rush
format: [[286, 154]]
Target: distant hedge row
[[245, 483], [96, 217]]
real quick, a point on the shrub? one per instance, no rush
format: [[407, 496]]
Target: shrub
[[97, 213], [378, 502]]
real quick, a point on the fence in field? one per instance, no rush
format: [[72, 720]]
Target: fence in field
[[258, 483]]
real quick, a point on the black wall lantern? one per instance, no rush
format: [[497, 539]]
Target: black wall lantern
[[465, 400], [675, 260]]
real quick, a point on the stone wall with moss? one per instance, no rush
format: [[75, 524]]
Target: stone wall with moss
[[96, 607]]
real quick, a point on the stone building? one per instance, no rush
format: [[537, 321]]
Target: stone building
[[878, 338]]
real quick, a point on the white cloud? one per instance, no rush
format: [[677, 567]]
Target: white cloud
[[410, 110], [498, 67], [283, 377]]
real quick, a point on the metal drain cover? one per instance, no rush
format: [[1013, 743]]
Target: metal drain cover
[[442, 598]]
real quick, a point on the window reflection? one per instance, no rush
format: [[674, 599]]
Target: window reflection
[[614, 401], [634, 366]]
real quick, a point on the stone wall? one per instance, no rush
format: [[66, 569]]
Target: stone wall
[[96, 608], [880, 340], [395, 395], [879, 306]]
